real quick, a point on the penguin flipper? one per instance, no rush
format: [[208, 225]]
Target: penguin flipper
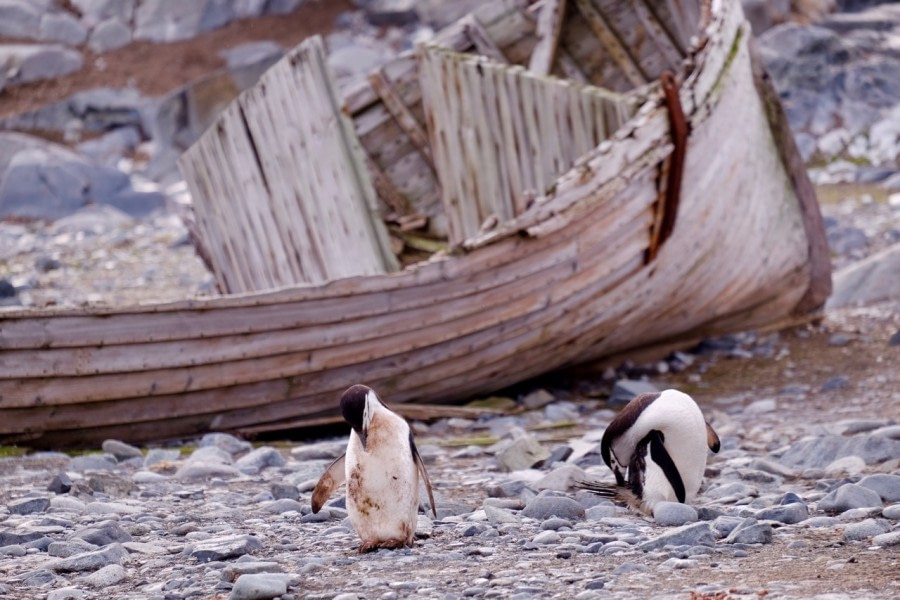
[[615, 492], [712, 438], [333, 476], [421, 468]]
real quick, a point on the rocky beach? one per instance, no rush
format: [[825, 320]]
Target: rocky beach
[[802, 501]]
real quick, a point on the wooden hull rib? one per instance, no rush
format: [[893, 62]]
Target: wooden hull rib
[[563, 282]]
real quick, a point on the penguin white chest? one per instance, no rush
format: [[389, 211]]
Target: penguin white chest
[[382, 485]]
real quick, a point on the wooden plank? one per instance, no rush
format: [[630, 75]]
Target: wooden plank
[[611, 42], [549, 25], [481, 39], [401, 113]]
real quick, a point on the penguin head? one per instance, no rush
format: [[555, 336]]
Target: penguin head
[[358, 404]]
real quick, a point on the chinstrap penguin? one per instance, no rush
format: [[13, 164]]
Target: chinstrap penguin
[[382, 468], [656, 448]]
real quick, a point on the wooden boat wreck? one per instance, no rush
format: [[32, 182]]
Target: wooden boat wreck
[[616, 177]]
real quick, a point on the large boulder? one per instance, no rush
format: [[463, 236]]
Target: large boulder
[[24, 63], [171, 20], [875, 279]]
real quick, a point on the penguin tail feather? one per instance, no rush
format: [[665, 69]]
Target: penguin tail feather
[[623, 495]]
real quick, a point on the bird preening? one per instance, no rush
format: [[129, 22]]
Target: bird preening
[[656, 448], [382, 468]]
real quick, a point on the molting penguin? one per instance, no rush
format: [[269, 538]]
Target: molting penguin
[[382, 467], [656, 448]]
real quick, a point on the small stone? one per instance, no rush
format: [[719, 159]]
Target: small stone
[[226, 442], [544, 506], [887, 539], [555, 523], [13, 550], [93, 462], [92, 561], [284, 491], [792, 513], [259, 459], [765, 405], [198, 470], [259, 586], [121, 450], [546, 537], [523, 453], [626, 389], [69, 548], [679, 563], [537, 399], [600, 511], [847, 497], [66, 593], [750, 532], [865, 529], [839, 339], [695, 534], [560, 479], [222, 548], [284, 505], [28, 506], [60, 484], [103, 534], [837, 382], [884, 484], [725, 524], [497, 516], [106, 576], [891, 512], [818, 452], [848, 465], [669, 514]]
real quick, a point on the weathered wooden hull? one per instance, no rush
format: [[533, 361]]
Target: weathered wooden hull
[[564, 283]]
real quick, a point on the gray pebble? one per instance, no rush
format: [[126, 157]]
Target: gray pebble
[[725, 524], [92, 561], [887, 539], [259, 459], [121, 450], [13, 550], [159, 455], [849, 496], [756, 533], [496, 515], [885, 485], [794, 512], [694, 534], [106, 576], [202, 471], [103, 533], [544, 506], [222, 548], [670, 514], [555, 523], [28, 506], [286, 505], [891, 512], [93, 462], [522, 453], [601, 511], [679, 563], [865, 529], [259, 586], [66, 593], [226, 442]]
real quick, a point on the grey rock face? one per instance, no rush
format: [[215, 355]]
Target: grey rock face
[[92, 561], [27, 63], [103, 534], [259, 586], [19, 18], [671, 514], [750, 532], [28, 506], [109, 35], [543, 506], [522, 453], [884, 484], [171, 20], [222, 548], [847, 497], [819, 452], [695, 534], [866, 529], [790, 514], [63, 28], [874, 279]]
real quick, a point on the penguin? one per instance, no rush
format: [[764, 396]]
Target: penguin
[[656, 448], [382, 468]]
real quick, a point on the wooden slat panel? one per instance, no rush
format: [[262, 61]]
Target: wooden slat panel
[[549, 26], [503, 135], [273, 216]]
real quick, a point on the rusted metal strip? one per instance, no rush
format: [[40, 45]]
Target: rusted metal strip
[[673, 169]]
